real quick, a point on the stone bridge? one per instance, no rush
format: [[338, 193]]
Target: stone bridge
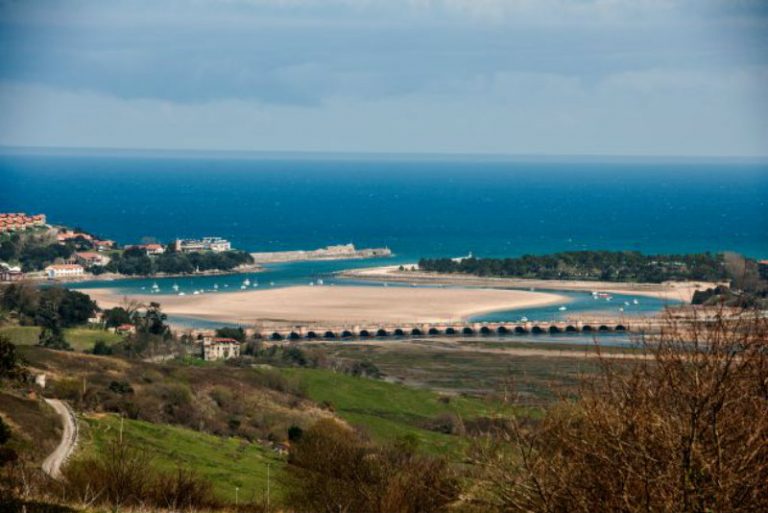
[[405, 330]]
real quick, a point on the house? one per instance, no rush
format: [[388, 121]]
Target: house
[[104, 245], [10, 273], [12, 222], [66, 235], [89, 258], [220, 348], [125, 329], [64, 271], [215, 244], [150, 249]]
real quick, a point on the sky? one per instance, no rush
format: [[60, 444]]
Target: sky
[[532, 77]]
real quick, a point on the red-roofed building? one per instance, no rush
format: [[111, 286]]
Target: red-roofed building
[[220, 348], [125, 329], [12, 222], [89, 258]]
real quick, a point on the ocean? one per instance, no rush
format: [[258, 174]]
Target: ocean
[[417, 207]]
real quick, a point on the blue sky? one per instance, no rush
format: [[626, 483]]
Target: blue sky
[[605, 77]]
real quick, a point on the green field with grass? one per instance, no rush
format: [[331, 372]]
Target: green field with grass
[[388, 410], [226, 462], [81, 339]]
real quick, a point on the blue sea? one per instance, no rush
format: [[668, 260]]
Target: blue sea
[[418, 207]]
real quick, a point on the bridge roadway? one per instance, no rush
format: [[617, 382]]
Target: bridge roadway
[[410, 330]]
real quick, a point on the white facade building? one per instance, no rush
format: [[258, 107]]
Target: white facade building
[[220, 348], [64, 271]]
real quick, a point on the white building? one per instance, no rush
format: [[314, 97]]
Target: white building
[[220, 348], [64, 271], [215, 244]]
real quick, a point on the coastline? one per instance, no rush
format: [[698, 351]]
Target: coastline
[[672, 291], [346, 252], [250, 268], [339, 305]]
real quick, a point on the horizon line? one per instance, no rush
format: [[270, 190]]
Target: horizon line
[[384, 155]]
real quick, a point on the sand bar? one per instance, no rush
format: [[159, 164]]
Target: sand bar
[[672, 291], [338, 305]]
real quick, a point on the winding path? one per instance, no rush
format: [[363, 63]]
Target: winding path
[[54, 461]]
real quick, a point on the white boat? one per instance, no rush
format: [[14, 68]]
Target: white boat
[[621, 309], [175, 288], [247, 282], [155, 286], [320, 282], [311, 283], [243, 287], [182, 294], [196, 292], [635, 302], [271, 283], [562, 309], [626, 303], [215, 286], [523, 319]]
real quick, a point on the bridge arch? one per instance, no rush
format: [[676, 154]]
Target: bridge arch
[[485, 330], [433, 331], [520, 330], [329, 334], [468, 331], [347, 334], [365, 333], [450, 331], [381, 332], [311, 334], [502, 330], [603, 327], [554, 329], [416, 332], [294, 336], [399, 332], [276, 336], [587, 328], [620, 327], [571, 329], [536, 330]]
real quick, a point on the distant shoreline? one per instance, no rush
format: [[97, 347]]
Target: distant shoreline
[[342, 252], [673, 291], [250, 268]]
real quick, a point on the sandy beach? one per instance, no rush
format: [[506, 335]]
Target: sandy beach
[[672, 291], [337, 305]]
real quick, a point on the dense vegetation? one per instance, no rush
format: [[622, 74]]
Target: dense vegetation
[[617, 266], [34, 250], [137, 262]]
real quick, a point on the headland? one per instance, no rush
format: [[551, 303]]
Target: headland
[[338, 252]]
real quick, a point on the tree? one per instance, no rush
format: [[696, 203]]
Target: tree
[[10, 361], [229, 332], [116, 316], [101, 348], [51, 334], [152, 322], [683, 429]]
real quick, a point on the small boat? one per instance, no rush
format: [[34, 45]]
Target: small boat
[[226, 286], [243, 287], [621, 309], [635, 302], [311, 283], [215, 286], [320, 282], [271, 283], [562, 308], [196, 292], [626, 303], [182, 294], [175, 287], [255, 285], [523, 319], [155, 286], [247, 282]]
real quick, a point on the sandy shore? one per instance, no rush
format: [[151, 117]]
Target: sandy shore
[[338, 305], [672, 291]]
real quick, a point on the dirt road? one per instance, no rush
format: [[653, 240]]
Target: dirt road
[[53, 463]]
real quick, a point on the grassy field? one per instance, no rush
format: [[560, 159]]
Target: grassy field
[[464, 366], [388, 410], [226, 462], [81, 339]]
